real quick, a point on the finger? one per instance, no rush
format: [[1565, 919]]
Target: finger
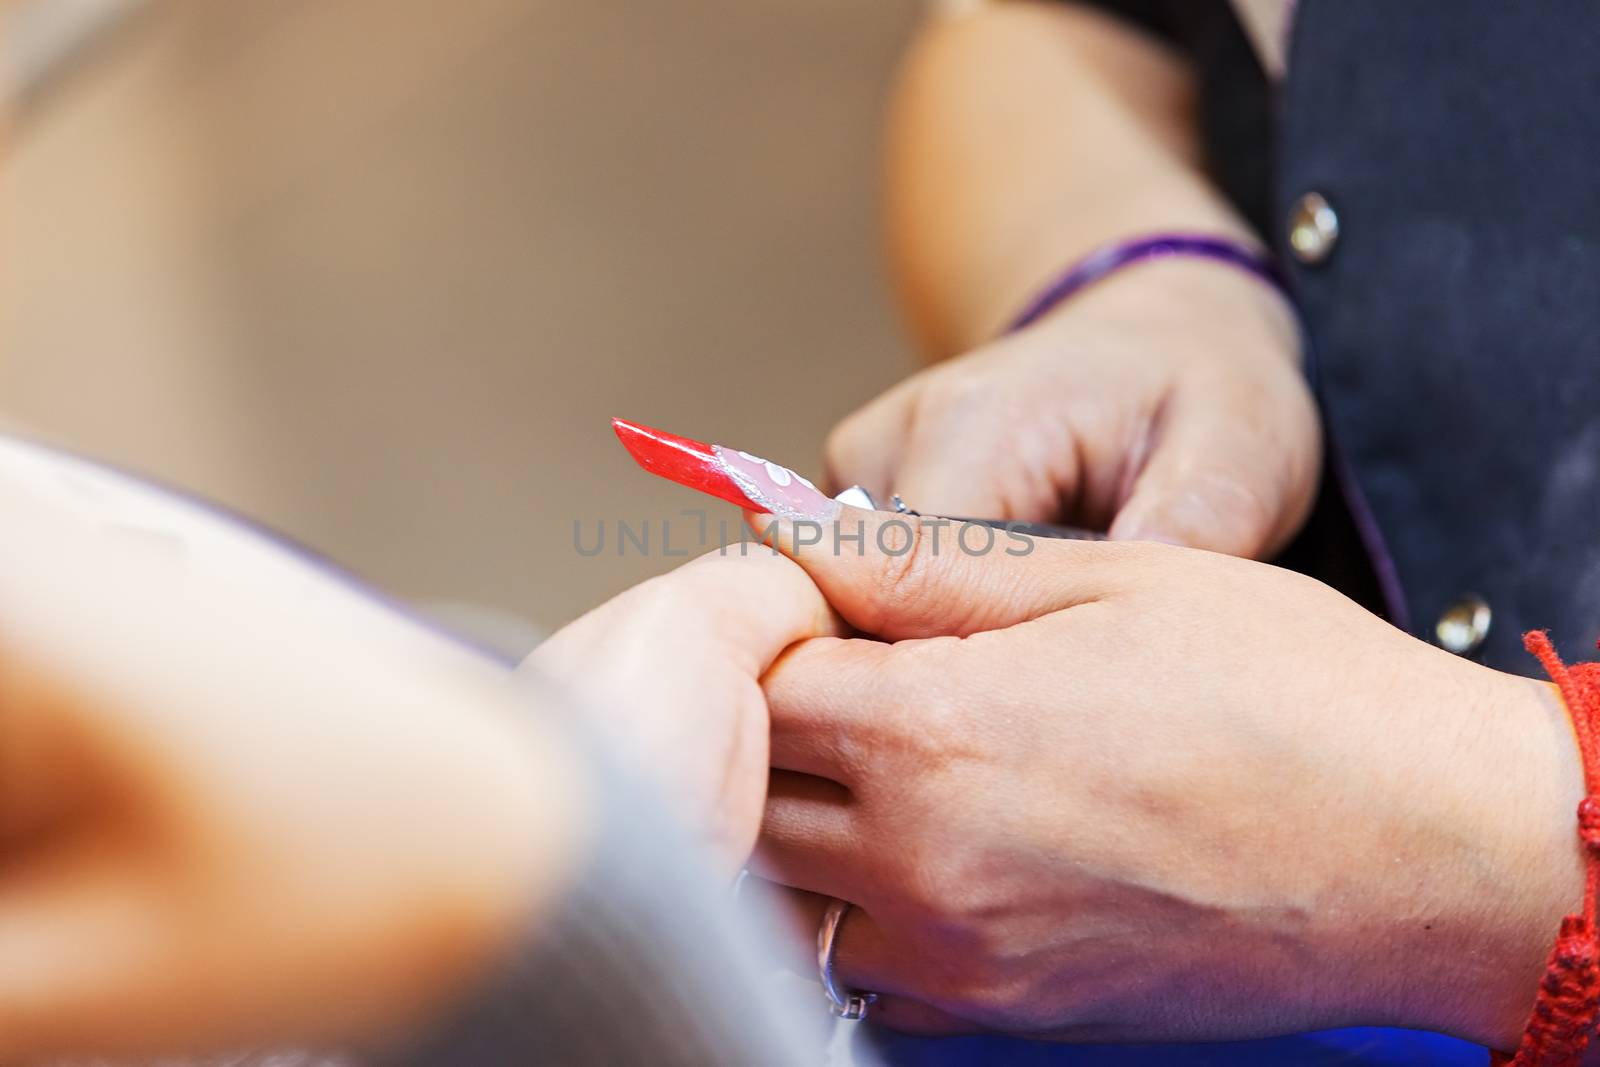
[[822, 687], [866, 447], [896, 576], [1214, 480], [755, 604], [907, 1015], [750, 604], [46, 759], [80, 941], [75, 925], [960, 459], [810, 836], [945, 472], [864, 957]]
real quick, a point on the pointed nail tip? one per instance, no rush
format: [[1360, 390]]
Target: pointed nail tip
[[640, 440], [633, 430], [630, 436]]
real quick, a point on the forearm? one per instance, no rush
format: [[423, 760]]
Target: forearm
[[1020, 137]]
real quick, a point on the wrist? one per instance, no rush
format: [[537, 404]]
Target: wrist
[[1512, 869], [1244, 258], [1204, 304]]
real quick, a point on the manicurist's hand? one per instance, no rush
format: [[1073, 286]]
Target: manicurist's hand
[[1163, 403], [1114, 791], [670, 671]]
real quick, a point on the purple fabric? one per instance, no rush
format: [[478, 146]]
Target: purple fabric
[[1371, 534], [1113, 257]]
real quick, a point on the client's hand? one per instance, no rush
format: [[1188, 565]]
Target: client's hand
[[242, 800], [1122, 791], [671, 671]]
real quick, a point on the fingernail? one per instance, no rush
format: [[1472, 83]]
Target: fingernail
[[725, 473], [1141, 528], [1188, 518], [1154, 537]]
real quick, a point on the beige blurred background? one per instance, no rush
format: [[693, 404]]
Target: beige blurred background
[[379, 271]]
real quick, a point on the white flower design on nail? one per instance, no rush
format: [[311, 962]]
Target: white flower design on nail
[[781, 476], [774, 488]]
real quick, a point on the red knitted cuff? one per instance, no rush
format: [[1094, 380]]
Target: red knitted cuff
[[1565, 1010]]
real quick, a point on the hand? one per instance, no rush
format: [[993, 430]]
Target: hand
[[1163, 403], [1137, 792], [241, 801], [671, 671]]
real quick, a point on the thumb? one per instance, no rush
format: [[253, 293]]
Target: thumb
[[900, 576], [1216, 479]]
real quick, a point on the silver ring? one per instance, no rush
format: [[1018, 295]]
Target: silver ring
[[844, 1004]]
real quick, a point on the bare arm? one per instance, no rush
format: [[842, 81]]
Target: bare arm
[[1164, 403], [1022, 135]]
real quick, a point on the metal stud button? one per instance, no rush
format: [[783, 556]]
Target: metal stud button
[[1464, 625], [1313, 229]]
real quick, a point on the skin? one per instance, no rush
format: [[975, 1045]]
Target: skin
[[1140, 792], [1165, 403], [1036, 769], [243, 803], [1124, 835], [213, 826], [211, 831], [670, 672], [1101, 791], [1115, 413], [1216, 800]]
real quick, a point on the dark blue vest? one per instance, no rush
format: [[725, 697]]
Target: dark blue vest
[[1455, 326]]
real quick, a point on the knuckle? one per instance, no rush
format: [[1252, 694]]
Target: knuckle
[[1003, 1001], [929, 887], [948, 394], [908, 566], [910, 747], [850, 439], [660, 597], [1249, 508], [937, 717]]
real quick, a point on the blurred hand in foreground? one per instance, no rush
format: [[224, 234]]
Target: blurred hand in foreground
[[241, 800]]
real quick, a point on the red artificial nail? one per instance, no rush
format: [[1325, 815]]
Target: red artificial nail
[[725, 473]]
